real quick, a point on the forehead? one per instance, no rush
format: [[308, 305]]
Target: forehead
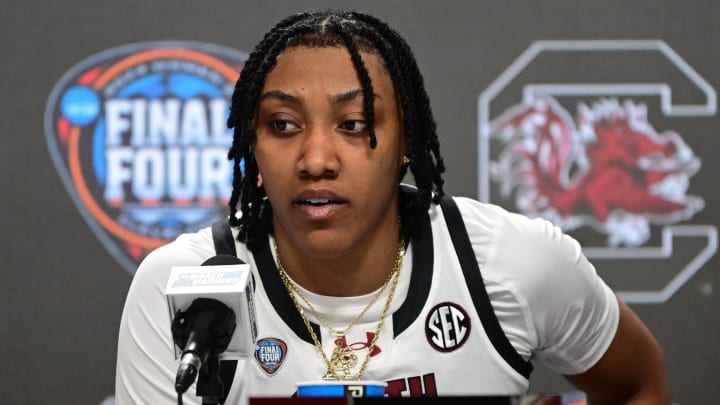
[[325, 67]]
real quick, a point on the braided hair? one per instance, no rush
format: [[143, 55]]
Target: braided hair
[[357, 32]]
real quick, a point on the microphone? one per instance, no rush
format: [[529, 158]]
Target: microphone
[[213, 316], [204, 329]]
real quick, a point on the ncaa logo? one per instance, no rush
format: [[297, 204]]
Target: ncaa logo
[[270, 354], [600, 137], [447, 326], [138, 135]]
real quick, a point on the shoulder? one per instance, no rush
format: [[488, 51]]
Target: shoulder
[[189, 249], [519, 249], [144, 339], [546, 293]]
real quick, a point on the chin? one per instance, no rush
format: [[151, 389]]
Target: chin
[[323, 245]]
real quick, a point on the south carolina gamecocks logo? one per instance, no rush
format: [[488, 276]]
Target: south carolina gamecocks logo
[[600, 137], [608, 168]]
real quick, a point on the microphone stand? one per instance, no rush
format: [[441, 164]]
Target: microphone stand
[[209, 386], [215, 327]]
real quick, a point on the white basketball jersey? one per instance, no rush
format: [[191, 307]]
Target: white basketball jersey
[[442, 337]]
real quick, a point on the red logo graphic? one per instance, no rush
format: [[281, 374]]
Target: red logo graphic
[[360, 345], [610, 169]]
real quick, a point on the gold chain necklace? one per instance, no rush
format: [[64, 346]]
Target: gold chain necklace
[[343, 358]]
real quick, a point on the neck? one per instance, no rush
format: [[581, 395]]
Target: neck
[[358, 270]]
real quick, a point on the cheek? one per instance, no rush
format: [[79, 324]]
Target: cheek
[[273, 170], [262, 158]]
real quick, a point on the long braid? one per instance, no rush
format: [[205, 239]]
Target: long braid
[[251, 196], [368, 94], [358, 33], [252, 193], [240, 151], [425, 160], [407, 103]]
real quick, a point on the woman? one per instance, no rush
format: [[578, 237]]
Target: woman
[[359, 277]]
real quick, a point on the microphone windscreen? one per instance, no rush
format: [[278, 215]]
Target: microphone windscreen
[[223, 278], [222, 260]]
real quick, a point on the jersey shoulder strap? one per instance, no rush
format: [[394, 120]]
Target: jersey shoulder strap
[[474, 281], [224, 245], [223, 238]]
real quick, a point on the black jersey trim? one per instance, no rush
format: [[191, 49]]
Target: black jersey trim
[[225, 245], [474, 281], [420, 278], [223, 238]]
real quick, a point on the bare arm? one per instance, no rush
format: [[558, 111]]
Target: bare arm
[[632, 371]]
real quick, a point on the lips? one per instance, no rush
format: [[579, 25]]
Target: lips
[[319, 204], [319, 197]]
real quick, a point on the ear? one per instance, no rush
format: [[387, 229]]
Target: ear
[[259, 181], [404, 159]]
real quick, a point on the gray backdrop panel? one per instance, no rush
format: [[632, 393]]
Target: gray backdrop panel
[[63, 292]]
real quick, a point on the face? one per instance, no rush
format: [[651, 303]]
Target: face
[[330, 192]]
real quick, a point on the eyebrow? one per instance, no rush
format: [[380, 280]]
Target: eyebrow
[[279, 95], [335, 99], [347, 96]]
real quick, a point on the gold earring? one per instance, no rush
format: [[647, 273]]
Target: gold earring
[[405, 160]]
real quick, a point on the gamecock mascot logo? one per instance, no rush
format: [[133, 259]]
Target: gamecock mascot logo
[[608, 169]]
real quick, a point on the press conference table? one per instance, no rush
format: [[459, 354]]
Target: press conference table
[[482, 400]]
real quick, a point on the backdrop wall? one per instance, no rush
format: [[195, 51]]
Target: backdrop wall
[[652, 62]]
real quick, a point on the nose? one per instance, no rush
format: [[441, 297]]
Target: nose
[[319, 156]]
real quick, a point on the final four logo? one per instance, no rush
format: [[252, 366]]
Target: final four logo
[[138, 135]]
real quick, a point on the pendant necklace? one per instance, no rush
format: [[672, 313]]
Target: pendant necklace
[[340, 364]]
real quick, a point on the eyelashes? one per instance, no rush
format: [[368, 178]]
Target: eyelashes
[[289, 127]]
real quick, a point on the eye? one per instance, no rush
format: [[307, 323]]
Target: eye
[[284, 125], [353, 125]]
